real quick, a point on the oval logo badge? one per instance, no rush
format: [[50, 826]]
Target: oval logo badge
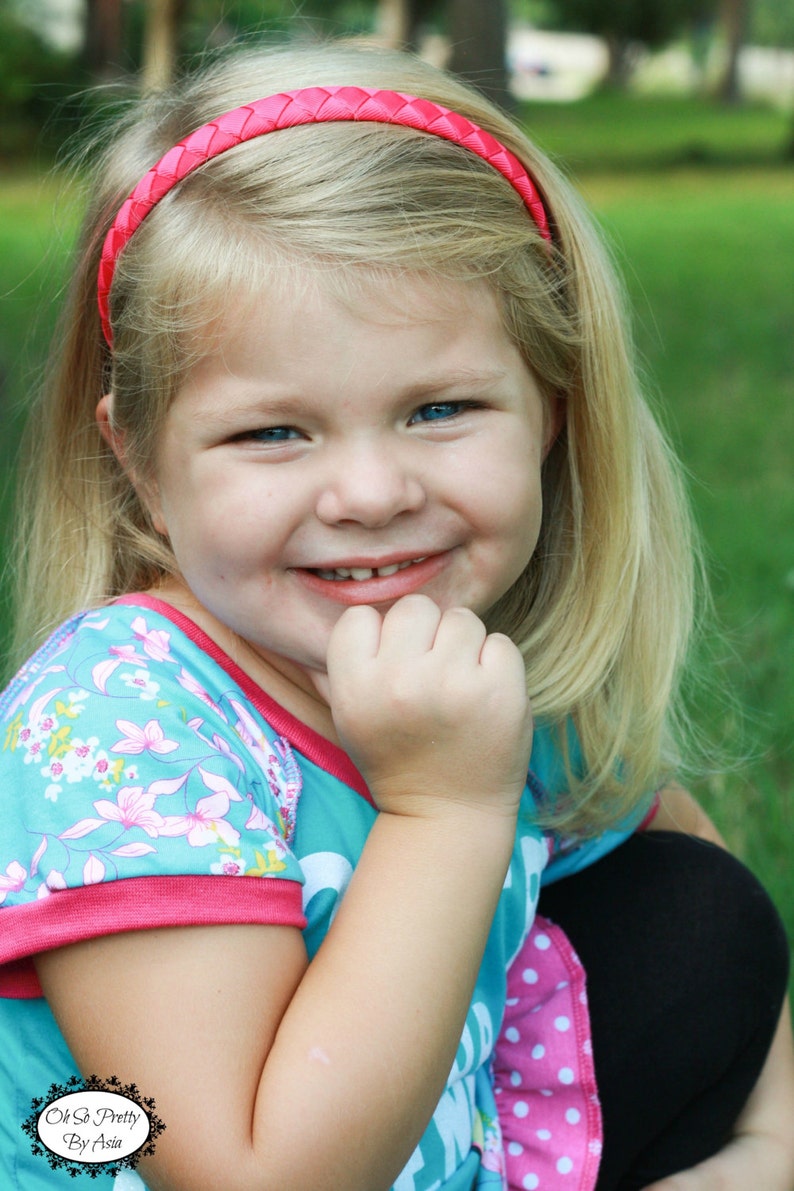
[[93, 1126]]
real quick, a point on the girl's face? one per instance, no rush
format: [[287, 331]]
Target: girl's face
[[328, 453]]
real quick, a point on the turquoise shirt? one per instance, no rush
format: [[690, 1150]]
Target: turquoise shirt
[[147, 781]]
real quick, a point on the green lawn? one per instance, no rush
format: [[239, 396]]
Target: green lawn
[[708, 254]]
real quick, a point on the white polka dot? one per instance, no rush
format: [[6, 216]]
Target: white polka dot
[[565, 1166], [529, 976], [546, 1092], [565, 1075], [562, 1024], [531, 1182], [515, 1148], [515, 1078], [543, 1135], [511, 1001], [582, 998], [563, 984], [573, 1116], [542, 942], [520, 1109], [587, 1047], [538, 1051], [512, 1034]]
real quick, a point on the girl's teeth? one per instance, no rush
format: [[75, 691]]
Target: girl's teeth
[[367, 572]]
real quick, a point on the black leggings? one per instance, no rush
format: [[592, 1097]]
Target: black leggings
[[687, 964]]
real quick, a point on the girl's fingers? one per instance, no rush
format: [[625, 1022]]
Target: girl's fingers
[[409, 629]]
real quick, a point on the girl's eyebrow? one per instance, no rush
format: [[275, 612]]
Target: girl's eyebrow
[[465, 379]]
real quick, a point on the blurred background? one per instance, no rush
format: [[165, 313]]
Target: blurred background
[[675, 118]]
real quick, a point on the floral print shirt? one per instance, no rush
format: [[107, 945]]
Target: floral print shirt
[[147, 781]]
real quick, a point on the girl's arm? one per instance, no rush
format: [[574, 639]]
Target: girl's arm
[[761, 1153], [273, 1073]]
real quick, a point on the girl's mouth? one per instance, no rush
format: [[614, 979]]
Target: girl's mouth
[[361, 573], [373, 585]]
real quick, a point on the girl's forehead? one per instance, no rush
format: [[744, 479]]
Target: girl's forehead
[[377, 295], [312, 328]]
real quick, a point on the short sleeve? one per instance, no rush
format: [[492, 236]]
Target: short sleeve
[[136, 793]]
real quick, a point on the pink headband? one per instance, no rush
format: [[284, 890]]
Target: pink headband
[[311, 105]]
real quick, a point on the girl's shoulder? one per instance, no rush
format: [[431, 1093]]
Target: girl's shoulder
[[137, 679]]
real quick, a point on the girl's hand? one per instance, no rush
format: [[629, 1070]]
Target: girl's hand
[[433, 710]]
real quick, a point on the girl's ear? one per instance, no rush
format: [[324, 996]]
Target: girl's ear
[[555, 420], [113, 437], [147, 492]]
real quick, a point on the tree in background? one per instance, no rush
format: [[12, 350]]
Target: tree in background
[[478, 36], [629, 25], [734, 22], [103, 46]]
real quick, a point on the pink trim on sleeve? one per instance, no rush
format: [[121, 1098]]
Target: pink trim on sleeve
[[137, 903]]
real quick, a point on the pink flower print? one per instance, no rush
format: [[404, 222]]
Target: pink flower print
[[220, 785], [132, 808], [223, 747], [228, 867], [138, 740], [205, 825], [14, 880], [257, 819], [93, 870], [37, 855], [155, 641], [190, 684]]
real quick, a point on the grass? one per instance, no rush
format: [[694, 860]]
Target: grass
[[708, 254], [709, 260], [628, 133]]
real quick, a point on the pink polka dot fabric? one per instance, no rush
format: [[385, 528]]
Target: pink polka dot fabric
[[544, 1078]]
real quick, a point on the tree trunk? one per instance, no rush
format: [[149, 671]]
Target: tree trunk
[[103, 40], [623, 58], [733, 19], [160, 43], [394, 22], [399, 21], [478, 35]]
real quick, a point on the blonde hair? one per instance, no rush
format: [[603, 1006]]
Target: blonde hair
[[604, 609]]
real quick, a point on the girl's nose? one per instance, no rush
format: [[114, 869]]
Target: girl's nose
[[369, 484]]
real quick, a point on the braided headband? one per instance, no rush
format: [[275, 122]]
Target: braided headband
[[311, 105]]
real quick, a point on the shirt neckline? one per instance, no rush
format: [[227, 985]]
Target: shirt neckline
[[312, 744]]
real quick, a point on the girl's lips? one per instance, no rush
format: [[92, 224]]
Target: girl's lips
[[378, 589]]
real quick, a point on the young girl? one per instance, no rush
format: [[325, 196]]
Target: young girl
[[373, 524]]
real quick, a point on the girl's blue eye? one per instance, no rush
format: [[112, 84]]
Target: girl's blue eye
[[439, 411], [272, 434]]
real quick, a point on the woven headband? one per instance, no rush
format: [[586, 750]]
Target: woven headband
[[311, 105]]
